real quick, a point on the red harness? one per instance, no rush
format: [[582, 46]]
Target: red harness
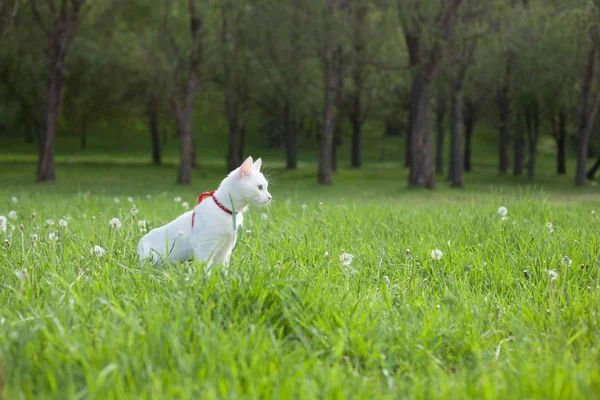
[[210, 194]]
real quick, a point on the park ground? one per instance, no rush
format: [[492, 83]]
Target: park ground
[[365, 289]]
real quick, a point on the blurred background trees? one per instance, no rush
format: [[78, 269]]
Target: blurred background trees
[[305, 77]]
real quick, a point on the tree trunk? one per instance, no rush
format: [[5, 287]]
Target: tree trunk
[[504, 111], [519, 144], [53, 101], [587, 117], [421, 168], [469, 125], [592, 172], [356, 142], [154, 131], [533, 130], [331, 91], [439, 149], [456, 175], [184, 109], [83, 134], [289, 125], [60, 31], [414, 53], [561, 141]]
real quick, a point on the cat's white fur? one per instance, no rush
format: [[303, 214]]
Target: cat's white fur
[[213, 237]]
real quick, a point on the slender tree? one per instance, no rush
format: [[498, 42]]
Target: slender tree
[[185, 94], [59, 23]]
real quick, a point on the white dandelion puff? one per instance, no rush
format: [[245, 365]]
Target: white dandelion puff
[[436, 254], [63, 223], [504, 218], [552, 273], [134, 210], [566, 261], [346, 258], [12, 214], [185, 205], [304, 206], [549, 227], [52, 236], [130, 199], [97, 251], [14, 200], [33, 237], [177, 199], [2, 223], [264, 216], [116, 200], [502, 211], [49, 222], [326, 254], [148, 196], [142, 224], [115, 223]]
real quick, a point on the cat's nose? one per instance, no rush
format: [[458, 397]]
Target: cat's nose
[[269, 197]]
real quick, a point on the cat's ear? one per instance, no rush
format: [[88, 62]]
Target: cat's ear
[[246, 168], [257, 164]]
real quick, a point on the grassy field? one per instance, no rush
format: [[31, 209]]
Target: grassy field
[[511, 309]]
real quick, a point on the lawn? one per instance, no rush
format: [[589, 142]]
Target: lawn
[[508, 307]]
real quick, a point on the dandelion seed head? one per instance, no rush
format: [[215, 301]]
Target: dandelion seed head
[[2, 223], [264, 216], [115, 223], [326, 254], [116, 200], [97, 251], [49, 222], [346, 258], [63, 223], [566, 261], [14, 200], [148, 196], [503, 211], [185, 205], [12, 214], [304, 206], [130, 199], [436, 254], [52, 236], [177, 199]]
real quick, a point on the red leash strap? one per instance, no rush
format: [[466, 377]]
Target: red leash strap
[[201, 199]]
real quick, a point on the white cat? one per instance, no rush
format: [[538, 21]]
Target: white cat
[[207, 233]]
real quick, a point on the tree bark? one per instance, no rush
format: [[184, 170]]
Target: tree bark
[[592, 172], [532, 116], [291, 153], [184, 107], [586, 119], [60, 32], [414, 57], [470, 116], [456, 175], [421, 167], [504, 111], [356, 143], [83, 133], [331, 91], [439, 148], [154, 130], [519, 145], [561, 139]]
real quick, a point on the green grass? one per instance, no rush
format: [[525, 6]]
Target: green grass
[[287, 321]]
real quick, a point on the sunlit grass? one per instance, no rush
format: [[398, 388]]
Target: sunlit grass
[[510, 310]]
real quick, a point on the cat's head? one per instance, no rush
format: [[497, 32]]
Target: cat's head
[[250, 184]]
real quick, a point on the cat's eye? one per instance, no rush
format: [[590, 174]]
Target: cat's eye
[[260, 187]]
